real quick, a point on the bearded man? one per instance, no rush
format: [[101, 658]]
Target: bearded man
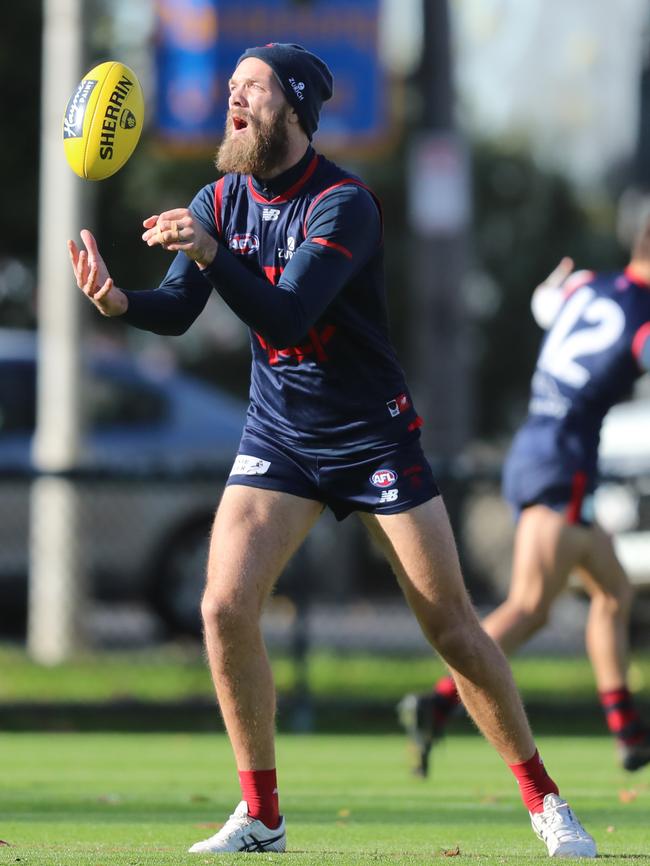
[[294, 246]]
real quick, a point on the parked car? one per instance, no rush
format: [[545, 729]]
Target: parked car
[[158, 448], [622, 502]]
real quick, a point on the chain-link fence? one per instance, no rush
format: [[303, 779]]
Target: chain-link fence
[[141, 546]]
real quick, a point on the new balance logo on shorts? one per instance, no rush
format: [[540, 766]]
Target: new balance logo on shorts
[[246, 465], [389, 495]]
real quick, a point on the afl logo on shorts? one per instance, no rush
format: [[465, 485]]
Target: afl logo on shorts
[[383, 478]]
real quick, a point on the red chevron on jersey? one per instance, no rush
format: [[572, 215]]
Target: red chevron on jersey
[[297, 354], [273, 273]]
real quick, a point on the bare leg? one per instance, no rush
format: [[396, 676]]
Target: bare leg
[[609, 613], [254, 535], [546, 550], [421, 549]]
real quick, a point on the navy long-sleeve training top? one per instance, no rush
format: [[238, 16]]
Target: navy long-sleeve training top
[[300, 261]]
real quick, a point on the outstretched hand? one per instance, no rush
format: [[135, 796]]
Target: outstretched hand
[[179, 229], [93, 278], [559, 275], [549, 294]]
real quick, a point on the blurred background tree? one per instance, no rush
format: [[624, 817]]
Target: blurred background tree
[[20, 74], [525, 217]]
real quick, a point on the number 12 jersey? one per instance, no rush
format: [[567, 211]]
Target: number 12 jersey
[[596, 348]]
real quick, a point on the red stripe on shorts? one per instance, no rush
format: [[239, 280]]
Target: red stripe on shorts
[[578, 488]]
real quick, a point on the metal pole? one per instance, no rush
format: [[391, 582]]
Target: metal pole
[[55, 585]]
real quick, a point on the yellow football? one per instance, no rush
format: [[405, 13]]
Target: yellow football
[[103, 121]]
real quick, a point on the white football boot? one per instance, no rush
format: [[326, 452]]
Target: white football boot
[[559, 828], [245, 834]]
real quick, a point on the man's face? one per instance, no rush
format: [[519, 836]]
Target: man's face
[[256, 138]]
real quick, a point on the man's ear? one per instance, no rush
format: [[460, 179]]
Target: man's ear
[[293, 117]]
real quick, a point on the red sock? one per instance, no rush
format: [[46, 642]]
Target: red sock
[[534, 782], [446, 701], [622, 717], [260, 790]]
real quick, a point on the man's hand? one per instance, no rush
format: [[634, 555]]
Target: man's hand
[[557, 277], [93, 278], [178, 229], [549, 294]]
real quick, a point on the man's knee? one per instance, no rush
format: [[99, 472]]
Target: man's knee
[[616, 604], [466, 649], [225, 616], [534, 616], [456, 635]]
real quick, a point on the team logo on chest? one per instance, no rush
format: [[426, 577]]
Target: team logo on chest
[[244, 244], [287, 252]]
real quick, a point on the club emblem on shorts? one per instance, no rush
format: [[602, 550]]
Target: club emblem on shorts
[[246, 465], [383, 478]]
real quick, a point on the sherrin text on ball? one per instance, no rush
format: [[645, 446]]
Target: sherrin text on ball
[[103, 121]]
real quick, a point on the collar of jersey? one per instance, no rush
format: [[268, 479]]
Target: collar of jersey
[[285, 185], [634, 277]]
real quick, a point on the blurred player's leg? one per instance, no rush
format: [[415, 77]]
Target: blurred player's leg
[[424, 717], [254, 535], [546, 549], [607, 644]]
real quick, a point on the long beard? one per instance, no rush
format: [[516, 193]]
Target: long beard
[[264, 148]]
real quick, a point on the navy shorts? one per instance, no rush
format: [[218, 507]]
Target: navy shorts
[[573, 500], [379, 481]]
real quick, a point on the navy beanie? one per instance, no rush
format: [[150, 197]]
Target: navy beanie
[[304, 78]]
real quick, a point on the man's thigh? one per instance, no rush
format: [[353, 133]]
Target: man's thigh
[[255, 533], [600, 566], [420, 546], [546, 549]]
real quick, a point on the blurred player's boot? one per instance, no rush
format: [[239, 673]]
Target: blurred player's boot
[[625, 723], [416, 714], [244, 834], [559, 828], [636, 755]]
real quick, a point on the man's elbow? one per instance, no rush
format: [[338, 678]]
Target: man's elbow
[[174, 327], [283, 334]]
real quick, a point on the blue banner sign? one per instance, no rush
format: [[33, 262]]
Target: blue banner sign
[[199, 42], [187, 69]]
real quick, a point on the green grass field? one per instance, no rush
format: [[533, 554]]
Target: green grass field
[[132, 800], [177, 673]]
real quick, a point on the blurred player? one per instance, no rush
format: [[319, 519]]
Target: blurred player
[[596, 347], [294, 245]]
